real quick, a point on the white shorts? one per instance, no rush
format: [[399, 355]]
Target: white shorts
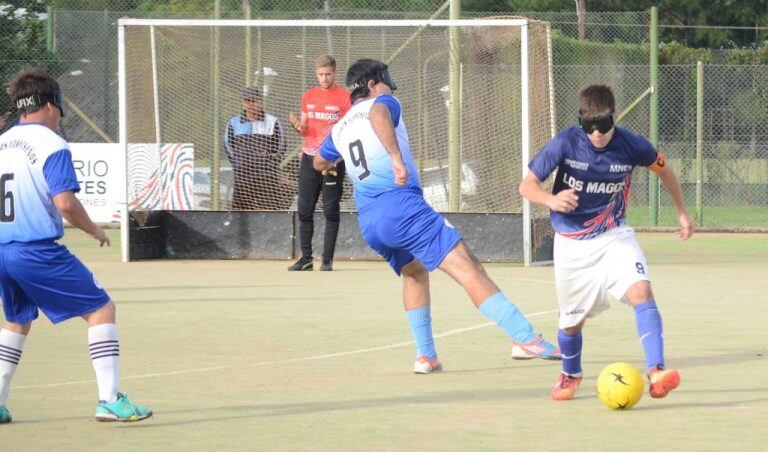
[[586, 271]]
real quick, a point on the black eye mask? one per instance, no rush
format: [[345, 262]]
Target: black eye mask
[[602, 124], [36, 100]]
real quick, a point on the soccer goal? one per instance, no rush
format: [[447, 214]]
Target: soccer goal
[[477, 100]]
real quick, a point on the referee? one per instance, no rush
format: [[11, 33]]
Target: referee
[[321, 108]]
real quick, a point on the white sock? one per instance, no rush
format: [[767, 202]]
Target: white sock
[[11, 345], [105, 353]]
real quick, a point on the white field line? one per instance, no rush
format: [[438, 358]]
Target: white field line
[[286, 361]]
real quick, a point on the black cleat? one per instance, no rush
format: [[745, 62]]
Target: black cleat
[[303, 264], [327, 265]]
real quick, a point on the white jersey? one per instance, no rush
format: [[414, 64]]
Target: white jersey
[[368, 164], [35, 165]]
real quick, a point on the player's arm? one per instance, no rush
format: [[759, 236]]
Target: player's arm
[[327, 156], [672, 185], [381, 121], [62, 182], [75, 214], [532, 190], [299, 124]]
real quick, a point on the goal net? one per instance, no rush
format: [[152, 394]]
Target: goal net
[[476, 95]]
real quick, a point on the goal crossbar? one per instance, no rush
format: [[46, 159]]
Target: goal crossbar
[[323, 23]]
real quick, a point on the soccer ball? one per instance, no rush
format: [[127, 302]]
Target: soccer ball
[[620, 386]]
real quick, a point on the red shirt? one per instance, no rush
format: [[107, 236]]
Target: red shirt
[[323, 108]]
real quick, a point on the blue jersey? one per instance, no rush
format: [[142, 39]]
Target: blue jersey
[[601, 178], [368, 164], [35, 166]]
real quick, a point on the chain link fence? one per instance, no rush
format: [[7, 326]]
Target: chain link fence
[[610, 48]]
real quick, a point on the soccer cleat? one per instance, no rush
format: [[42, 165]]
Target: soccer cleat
[[536, 348], [121, 410], [663, 381], [5, 415], [424, 365], [566, 387], [327, 265], [303, 264]]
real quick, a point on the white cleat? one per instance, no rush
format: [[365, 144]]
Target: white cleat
[[424, 365]]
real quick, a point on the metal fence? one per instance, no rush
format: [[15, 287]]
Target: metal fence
[[733, 180]]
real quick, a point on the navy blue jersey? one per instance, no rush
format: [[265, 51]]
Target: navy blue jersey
[[601, 178]]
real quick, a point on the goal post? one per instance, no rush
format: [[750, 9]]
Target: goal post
[[485, 84]]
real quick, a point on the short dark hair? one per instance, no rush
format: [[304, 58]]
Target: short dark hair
[[31, 82], [596, 99], [360, 73], [252, 94]]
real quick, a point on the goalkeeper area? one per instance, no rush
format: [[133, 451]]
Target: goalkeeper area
[[242, 355]]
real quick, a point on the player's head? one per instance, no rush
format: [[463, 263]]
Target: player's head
[[35, 93], [366, 77], [596, 109], [325, 70], [252, 103]]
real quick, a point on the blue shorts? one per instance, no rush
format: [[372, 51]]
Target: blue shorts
[[46, 275], [401, 226]]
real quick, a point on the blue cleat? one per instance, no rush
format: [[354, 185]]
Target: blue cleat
[[536, 348], [5, 415], [121, 410]]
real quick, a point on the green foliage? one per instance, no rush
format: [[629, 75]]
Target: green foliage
[[676, 53], [22, 44], [571, 51]]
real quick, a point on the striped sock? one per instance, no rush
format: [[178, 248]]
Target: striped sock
[[105, 353], [11, 345], [570, 347]]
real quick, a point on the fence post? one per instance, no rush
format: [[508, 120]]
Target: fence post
[[653, 180], [247, 16], [454, 111], [49, 29], [216, 160], [699, 140]]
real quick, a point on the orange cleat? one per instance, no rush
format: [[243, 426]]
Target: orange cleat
[[663, 381], [566, 387], [424, 365]]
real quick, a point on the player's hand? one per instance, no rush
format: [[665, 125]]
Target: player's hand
[[99, 235], [686, 226], [400, 171], [564, 201], [294, 121]]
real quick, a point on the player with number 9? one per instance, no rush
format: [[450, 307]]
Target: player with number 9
[[396, 221]]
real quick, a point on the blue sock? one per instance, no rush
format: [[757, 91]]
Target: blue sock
[[508, 317], [570, 347], [650, 332], [420, 321]]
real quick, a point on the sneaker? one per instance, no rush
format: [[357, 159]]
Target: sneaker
[[424, 365], [303, 264], [663, 381], [5, 415], [566, 387], [327, 265], [536, 348], [121, 410]]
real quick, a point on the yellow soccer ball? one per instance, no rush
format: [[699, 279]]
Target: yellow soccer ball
[[620, 386]]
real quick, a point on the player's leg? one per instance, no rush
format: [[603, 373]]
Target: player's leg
[[464, 267], [569, 340], [416, 302], [63, 288], [631, 284], [310, 186], [104, 347], [333, 189], [12, 338]]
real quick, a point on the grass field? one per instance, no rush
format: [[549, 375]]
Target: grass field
[[244, 355]]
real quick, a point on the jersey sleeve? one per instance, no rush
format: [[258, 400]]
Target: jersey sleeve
[[304, 102], [393, 104], [328, 150], [645, 154], [548, 158], [59, 172]]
